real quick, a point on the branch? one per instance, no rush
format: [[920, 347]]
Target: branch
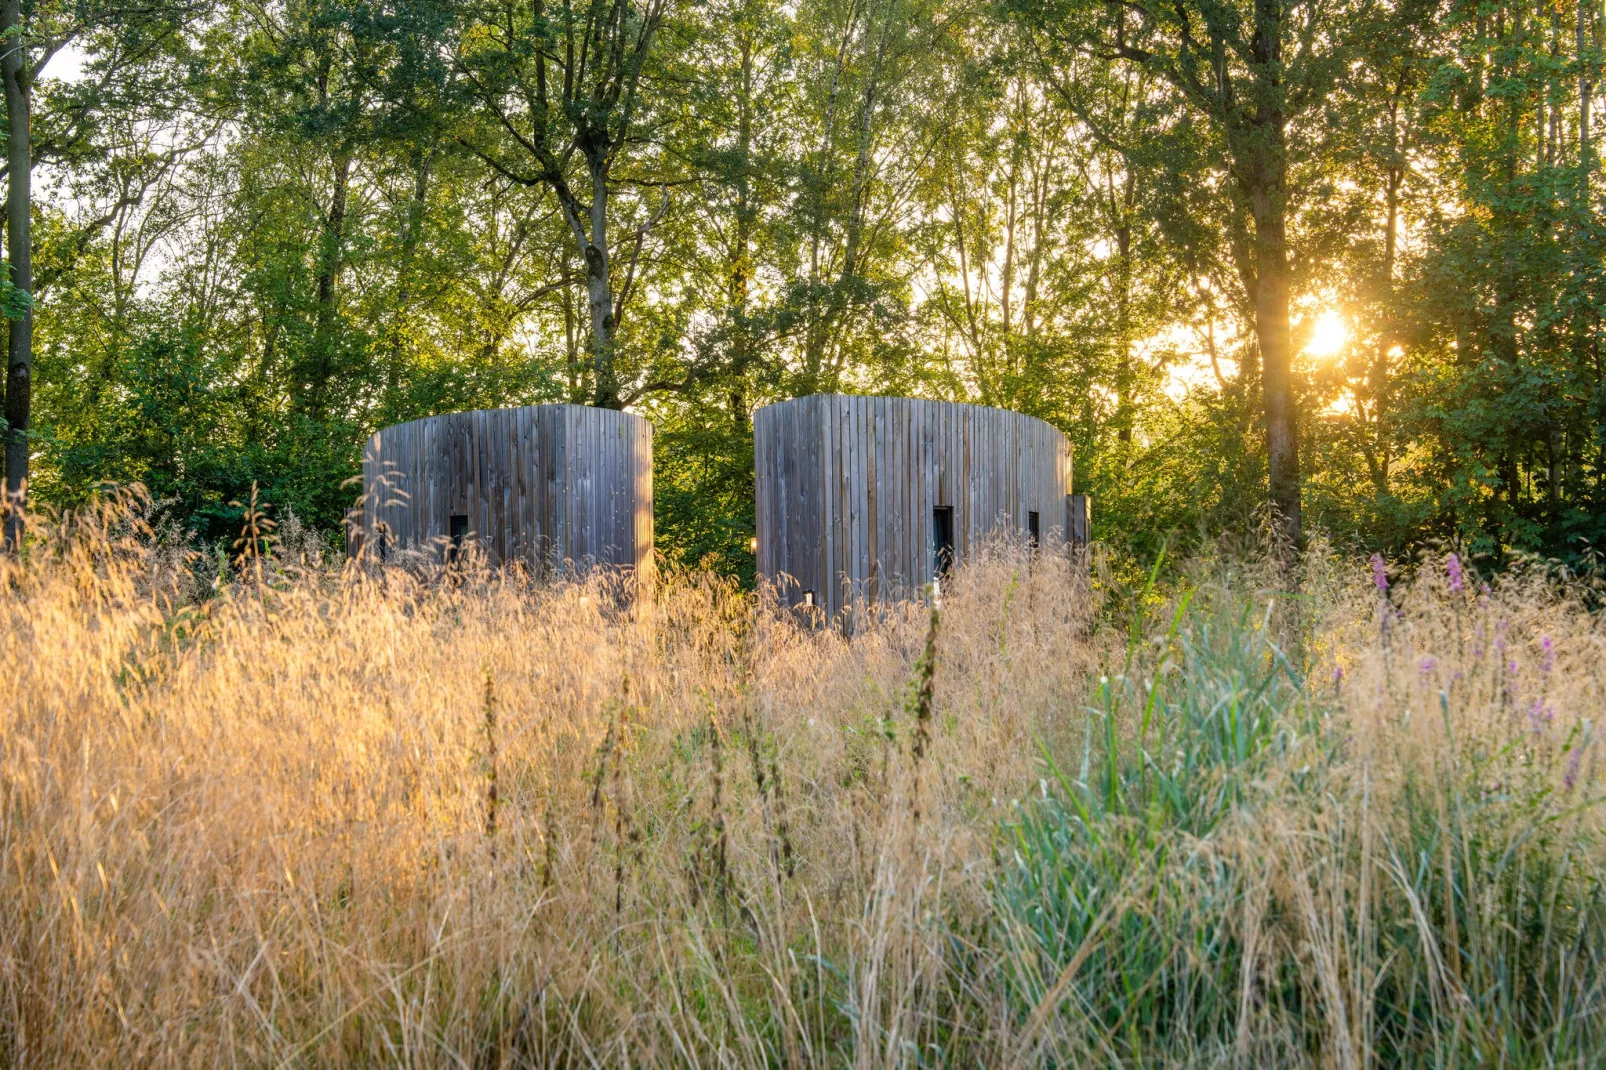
[[635, 257]]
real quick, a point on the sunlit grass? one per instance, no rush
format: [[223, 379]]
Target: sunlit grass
[[346, 817]]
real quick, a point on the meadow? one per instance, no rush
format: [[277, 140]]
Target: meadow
[[1234, 811]]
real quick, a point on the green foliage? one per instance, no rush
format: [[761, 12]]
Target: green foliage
[[703, 489], [269, 231], [1223, 854]]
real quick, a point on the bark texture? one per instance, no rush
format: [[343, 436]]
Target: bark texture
[[19, 251]]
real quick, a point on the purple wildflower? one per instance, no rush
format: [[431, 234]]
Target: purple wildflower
[[1380, 574], [1548, 650], [1574, 761], [1427, 666], [1540, 714], [1338, 673], [1452, 566], [1510, 687]]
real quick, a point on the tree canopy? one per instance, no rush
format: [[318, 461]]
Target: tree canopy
[[1342, 256]]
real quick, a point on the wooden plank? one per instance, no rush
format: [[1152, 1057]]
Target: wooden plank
[[536, 483], [878, 512], [846, 487], [646, 532], [847, 529], [858, 496], [765, 486], [831, 504], [899, 482]]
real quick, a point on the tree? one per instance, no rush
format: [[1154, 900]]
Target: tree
[[18, 73], [565, 94], [133, 40], [1256, 73]]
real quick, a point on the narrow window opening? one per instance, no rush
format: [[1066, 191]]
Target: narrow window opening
[[942, 540], [808, 598], [1033, 530], [382, 536], [457, 530]]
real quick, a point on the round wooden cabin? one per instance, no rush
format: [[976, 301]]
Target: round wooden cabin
[[871, 498], [559, 487]]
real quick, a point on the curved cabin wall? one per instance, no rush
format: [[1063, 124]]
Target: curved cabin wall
[[556, 486], [855, 494]]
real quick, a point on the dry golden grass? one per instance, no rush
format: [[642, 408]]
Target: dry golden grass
[[365, 816], [255, 827]]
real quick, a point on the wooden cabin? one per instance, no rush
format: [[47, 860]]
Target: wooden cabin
[[561, 488], [869, 498]]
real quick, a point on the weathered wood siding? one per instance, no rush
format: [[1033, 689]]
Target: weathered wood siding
[[847, 487], [557, 486]]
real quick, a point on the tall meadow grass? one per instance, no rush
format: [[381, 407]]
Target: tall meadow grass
[[316, 814]]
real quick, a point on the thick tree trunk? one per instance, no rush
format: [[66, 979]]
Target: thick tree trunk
[[599, 281], [599, 293], [1271, 286], [600, 297], [574, 368], [1276, 361], [1262, 152], [19, 250]]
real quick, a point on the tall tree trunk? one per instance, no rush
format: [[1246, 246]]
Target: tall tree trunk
[[331, 255], [1121, 211], [826, 314], [1123, 333], [1585, 321], [406, 272], [741, 245], [1555, 90], [19, 250], [599, 290], [1378, 458], [1265, 144], [1276, 361], [1555, 468], [571, 342], [1585, 90]]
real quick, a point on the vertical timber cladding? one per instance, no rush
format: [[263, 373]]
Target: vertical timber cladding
[[847, 489], [554, 486]]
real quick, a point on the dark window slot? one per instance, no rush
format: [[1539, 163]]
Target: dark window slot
[[457, 531], [942, 539], [1033, 529]]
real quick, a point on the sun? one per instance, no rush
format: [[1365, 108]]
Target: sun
[[1327, 335]]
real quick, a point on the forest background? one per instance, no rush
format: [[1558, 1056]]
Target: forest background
[[1341, 254]]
